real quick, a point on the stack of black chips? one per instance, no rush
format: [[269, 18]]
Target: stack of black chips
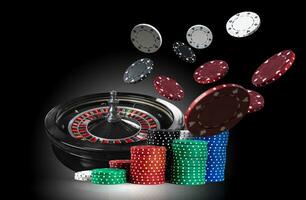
[[164, 137]]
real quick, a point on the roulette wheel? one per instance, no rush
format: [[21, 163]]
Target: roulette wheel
[[87, 132]]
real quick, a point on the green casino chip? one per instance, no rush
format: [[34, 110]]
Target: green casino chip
[[190, 142], [189, 163], [108, 176], [191, 147], [187, 173], [109, 171], [188, 183], [188, 176], [190, 155], [188, 168], [107, 179], [108, 182], [190, 180], [190, 159]]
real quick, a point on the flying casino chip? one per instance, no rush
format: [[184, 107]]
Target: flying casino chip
[[217, 109], [184, 52], [199, 36], [138, 71], [211, 71], [243, 24], [257, 101], [273, 68], [146, 38], [168, 88]]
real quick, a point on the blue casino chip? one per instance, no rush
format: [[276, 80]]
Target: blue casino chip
[[216, 161]]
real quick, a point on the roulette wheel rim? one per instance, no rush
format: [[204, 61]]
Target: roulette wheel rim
[[69, 150]]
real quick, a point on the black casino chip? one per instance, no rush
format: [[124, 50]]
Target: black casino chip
[[184, 52], [138, 71]]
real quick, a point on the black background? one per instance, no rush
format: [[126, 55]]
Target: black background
[[60, 45]]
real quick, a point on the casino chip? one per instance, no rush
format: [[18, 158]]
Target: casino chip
[[210, 72], [189, 162], [217, 109], [82, 175], [216, 161], [199, 36], [108, 176], [164, 137], [184, 52], [138, 71], [148, 164], [121, 164], [185, 134], [146, 38], [243, 24], [257, 101], [273, 68], [168, 88]]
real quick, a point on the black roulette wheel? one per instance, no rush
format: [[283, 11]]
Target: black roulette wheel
[[88, 131]]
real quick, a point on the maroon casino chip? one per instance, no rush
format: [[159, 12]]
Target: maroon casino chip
[[273, 68], [257, 101], [168, 88], [211, 71], [219, 108]]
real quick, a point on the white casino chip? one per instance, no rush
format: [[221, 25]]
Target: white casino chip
[[146, 38], [199, 36], [82, 175], [243, 24]]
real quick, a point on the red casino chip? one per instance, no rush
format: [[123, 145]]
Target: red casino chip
[[120, 162], [158, 163], [149, 158], [211, 71], [145, 181], [136, 175], [218, 109], [120, 165], [146, 173], [257, 101], [168, 88], [273, 68], [147, 170], [147, 178], [149, 162], [148, 182], [148, 148], [148, 166], [147, 154]]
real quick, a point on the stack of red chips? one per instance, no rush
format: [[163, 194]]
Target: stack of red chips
[[148, 165], [121, 164]]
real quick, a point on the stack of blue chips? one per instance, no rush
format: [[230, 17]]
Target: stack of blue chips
[[216, 161]]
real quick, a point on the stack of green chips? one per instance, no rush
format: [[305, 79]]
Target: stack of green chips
[[189, 162], [108, 176]]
